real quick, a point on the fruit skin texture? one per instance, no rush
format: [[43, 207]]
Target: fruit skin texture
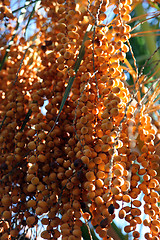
[[111, 209], [81, 161]]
